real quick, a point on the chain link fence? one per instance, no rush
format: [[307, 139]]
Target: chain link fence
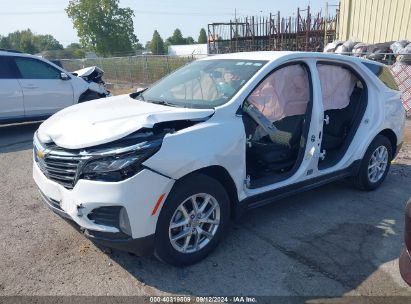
[[131, 71], [402, 75]]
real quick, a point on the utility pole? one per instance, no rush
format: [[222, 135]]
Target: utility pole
[[325, 23], [236, 29]]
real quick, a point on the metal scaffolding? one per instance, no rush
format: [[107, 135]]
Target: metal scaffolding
[[305, 32]]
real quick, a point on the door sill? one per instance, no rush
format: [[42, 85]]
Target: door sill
[[277, 194]]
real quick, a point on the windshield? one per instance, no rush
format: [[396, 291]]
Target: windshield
[[202, 84]]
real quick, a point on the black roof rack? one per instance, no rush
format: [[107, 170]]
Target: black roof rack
[[11, 51]]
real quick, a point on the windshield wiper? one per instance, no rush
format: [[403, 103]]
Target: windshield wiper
[[164, 103]]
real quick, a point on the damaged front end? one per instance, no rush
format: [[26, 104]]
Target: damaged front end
[[123, 158], [109, 162], [96, 86]]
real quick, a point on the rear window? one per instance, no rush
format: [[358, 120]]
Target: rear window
[[384, 74], [7, 68]]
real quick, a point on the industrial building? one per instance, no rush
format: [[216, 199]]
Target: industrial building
[[368, 21], [373, 21]]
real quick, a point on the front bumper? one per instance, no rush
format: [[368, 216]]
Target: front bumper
[[138, 195], [140, 246]]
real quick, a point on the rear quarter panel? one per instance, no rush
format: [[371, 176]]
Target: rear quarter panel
[[395, 114]]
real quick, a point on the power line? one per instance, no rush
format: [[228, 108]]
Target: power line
[[33, 13], [198, 14], [181, 13]]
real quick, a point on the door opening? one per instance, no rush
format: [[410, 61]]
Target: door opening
[[277, 119], [344, 97]]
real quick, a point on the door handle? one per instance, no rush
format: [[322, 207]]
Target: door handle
[[30, 86]]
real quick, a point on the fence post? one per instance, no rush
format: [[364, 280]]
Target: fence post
[[168, 65], [145, 70], [129, 71], [115, 71]]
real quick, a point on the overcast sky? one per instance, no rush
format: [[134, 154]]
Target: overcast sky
[[49, 17]]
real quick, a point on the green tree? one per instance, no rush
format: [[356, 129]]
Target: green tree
[[190, 40], [28, 42], [5, 42], [103, 26], [74, 45], [22, 41], [139, 47], [156, 45], [176, 38], [202, 38], [74, 50], [47, 42]]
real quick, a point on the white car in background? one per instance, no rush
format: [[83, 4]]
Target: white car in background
[[163, 170], [33, 88]]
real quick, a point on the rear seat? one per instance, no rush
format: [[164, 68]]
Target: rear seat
[[341, 121]]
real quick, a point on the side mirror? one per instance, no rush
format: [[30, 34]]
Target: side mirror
[[137, 92], [64, 76]]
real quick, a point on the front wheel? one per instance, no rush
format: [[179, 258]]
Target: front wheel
[[375, 164], [194, 218]]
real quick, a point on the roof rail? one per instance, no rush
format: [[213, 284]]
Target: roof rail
[[11, 51]]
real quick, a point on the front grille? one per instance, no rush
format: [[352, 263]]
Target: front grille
[[61, 170], [58, 164], [64, 165]]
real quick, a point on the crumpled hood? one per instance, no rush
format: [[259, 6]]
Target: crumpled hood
[[104, 120], [88, 70]]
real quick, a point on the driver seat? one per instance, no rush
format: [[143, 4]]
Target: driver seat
[[279, 151]]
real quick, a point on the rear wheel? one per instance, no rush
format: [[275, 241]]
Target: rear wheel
[[375, 164], [193, 220]]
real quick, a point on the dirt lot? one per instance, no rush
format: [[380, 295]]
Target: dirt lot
[[332, 241], [117, 90]]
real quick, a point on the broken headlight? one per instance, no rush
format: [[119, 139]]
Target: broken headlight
[[119, 166]]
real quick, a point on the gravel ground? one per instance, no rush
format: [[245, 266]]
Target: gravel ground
[[332, 241]]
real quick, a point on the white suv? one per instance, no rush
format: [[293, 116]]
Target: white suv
[[33, 88], [163, 170]]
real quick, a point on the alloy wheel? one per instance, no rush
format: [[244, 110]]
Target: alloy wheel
[[194, 223], [377, 164]]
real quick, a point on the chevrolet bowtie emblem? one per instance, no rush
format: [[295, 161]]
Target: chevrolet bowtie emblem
[[40, 154]]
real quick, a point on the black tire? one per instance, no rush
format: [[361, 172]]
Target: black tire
[[184, 188], [362, 180]]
